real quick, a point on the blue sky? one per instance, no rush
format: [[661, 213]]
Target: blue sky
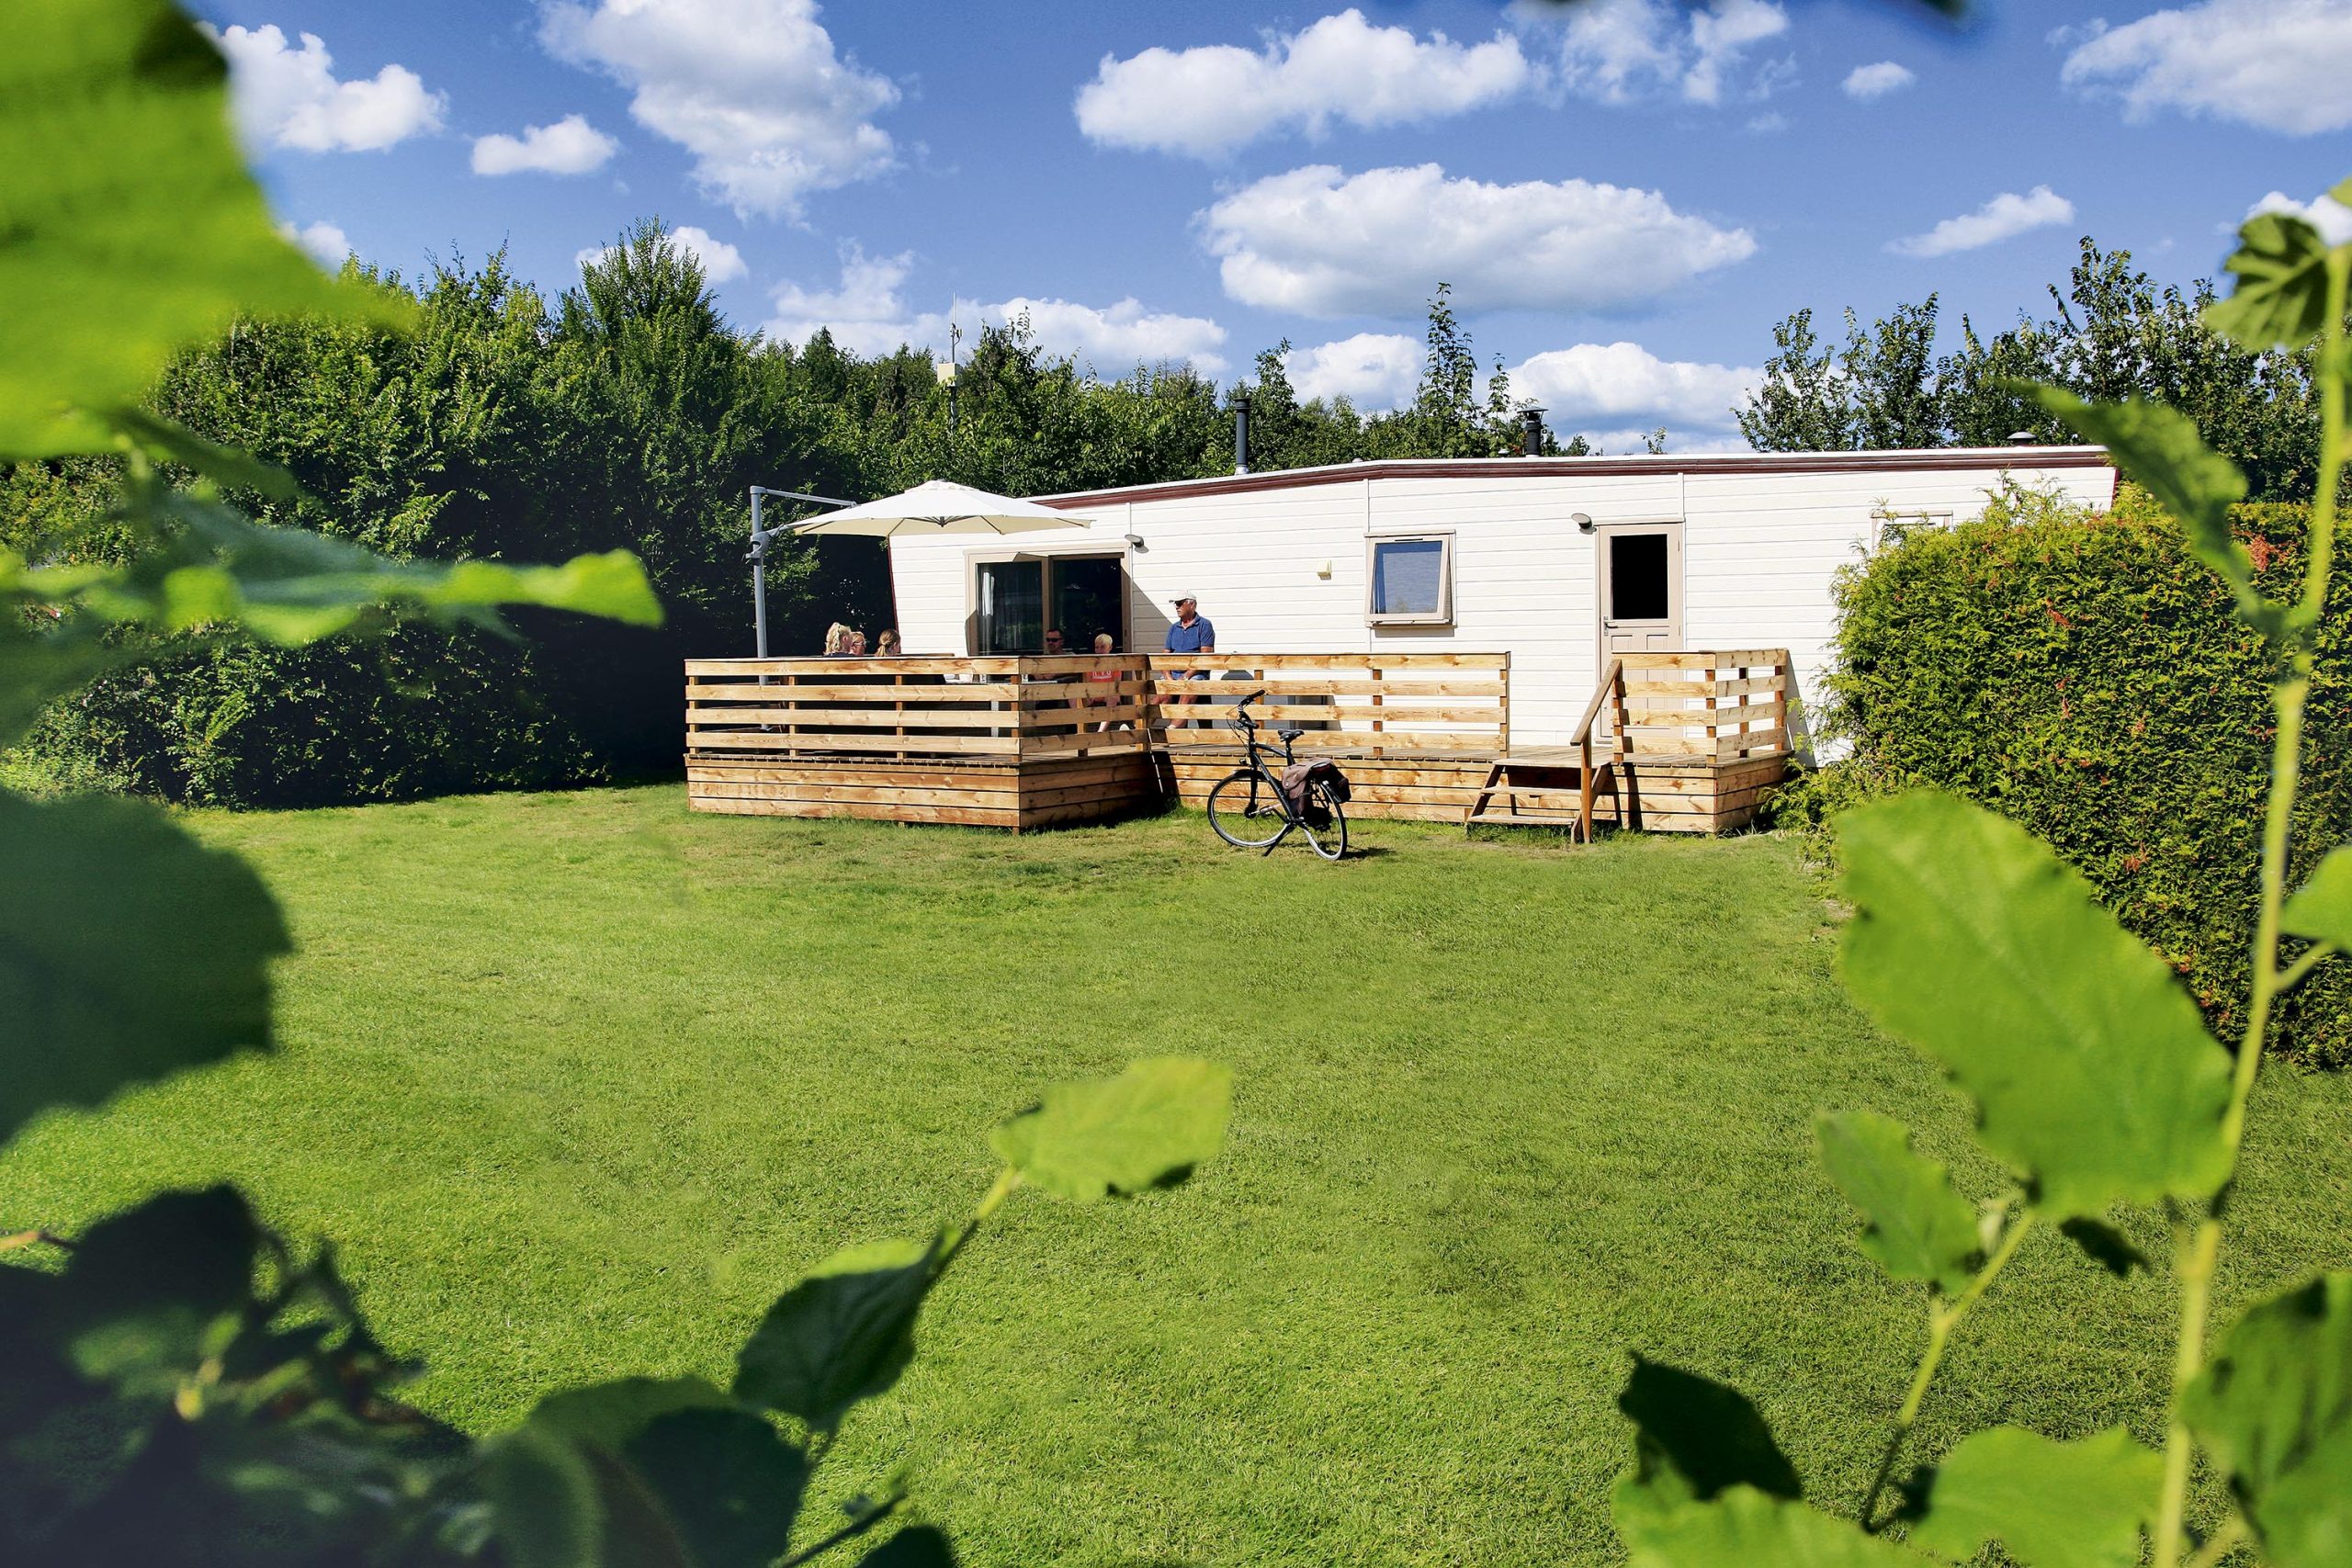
[[1625, 195]]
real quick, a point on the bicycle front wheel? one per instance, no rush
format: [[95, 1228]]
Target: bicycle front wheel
[[1244, 811], [1329, 841]]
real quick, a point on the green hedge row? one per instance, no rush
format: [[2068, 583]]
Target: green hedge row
[[2082, 675], [417, 712]]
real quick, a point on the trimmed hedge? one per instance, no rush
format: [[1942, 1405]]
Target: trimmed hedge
[[416, 712], [2082, 675]]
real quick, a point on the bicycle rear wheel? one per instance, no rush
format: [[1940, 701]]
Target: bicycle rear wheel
[[1329, 841], [1244, 811]]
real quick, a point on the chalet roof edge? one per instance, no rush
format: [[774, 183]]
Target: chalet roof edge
[[1930, 459]]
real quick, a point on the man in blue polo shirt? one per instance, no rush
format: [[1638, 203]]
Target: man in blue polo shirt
[[1191, 634]]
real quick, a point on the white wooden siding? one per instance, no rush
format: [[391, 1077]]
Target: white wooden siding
[[1759, 553]]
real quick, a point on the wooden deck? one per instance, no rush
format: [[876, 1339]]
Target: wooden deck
[[1014, 743], [1694, 742]]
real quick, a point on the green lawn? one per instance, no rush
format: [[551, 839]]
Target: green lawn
[[581, 1082]]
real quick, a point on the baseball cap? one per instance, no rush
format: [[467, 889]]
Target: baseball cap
[[1184, 599]]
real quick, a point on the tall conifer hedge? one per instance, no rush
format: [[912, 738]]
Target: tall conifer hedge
[[2082, 675]]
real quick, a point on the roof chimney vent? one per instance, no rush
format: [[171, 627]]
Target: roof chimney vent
[[1240, 436], [1531, 432]]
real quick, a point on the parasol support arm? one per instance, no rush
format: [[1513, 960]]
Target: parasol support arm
[[758, 556]]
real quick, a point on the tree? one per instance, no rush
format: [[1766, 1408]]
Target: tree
[[2114, 335], [1802, 406]]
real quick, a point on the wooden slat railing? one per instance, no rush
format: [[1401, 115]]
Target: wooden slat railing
[[974, 710], [1376, 703], [1725, 705]]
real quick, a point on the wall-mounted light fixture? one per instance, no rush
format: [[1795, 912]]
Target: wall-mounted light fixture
[[1134, 541], [1583, 522]]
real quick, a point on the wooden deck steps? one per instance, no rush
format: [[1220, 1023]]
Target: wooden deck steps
[[1695, 742], [1542, 790]]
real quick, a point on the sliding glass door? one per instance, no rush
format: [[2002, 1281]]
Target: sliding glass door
[[1079, 596]]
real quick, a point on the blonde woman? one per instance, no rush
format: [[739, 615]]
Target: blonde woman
[[837, 637], [887, 646]]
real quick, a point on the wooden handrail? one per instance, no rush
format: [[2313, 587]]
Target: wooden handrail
[[1608, 680], [1612, 680]]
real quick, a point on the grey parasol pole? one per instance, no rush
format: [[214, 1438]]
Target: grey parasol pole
[[759, 558]]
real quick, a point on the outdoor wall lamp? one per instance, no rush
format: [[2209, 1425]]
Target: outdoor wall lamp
[[1134, 541], [1582, 521]]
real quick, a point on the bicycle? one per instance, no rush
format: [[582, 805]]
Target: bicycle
[[1250, 800]]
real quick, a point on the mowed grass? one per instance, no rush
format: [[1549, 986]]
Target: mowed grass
[[580, 1083]]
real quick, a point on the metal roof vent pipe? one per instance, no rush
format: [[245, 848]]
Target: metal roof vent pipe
[[1240, 436], [1531, 437]]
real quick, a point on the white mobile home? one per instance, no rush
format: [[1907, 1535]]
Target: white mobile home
[[1548, 559]]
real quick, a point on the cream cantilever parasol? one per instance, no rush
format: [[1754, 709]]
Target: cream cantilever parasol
[[941, 506]]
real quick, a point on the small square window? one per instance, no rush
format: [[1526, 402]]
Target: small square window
[[1409, 581]]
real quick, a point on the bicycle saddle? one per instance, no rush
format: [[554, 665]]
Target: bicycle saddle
[[1290, 732]]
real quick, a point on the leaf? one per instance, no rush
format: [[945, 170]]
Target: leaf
[[2107, 1247], [146, 1290], [2162, 450], [1744, 1527], [728, 1481], [127, 952], [2280, 301], [1694, 1437], [610, 1414], [174, 442], [920, 1547], [543, 1496], [37, 668], [841, 1335], [1914, 1224], [722, 1485], [2321, 908], [129, 227], [2051, 1504], [2091, 1069], [1147, 1127], [2273, 1407], [290, 586]]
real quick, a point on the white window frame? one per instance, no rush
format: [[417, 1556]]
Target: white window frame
[[1443, 615], [1901, 517]]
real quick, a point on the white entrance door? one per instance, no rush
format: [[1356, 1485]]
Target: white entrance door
[[1640, 576]]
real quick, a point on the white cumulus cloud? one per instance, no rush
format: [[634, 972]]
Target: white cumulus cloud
[[289, 96], [867, 312], [721, 263], [1375, 371], [1616, 392], [753, 88], [570, 146], [2283, 66], [1868, 81], [2324, 213], [2003, 217], [1320, 242], [325, 241], [1619, 51], [1210, 100]]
